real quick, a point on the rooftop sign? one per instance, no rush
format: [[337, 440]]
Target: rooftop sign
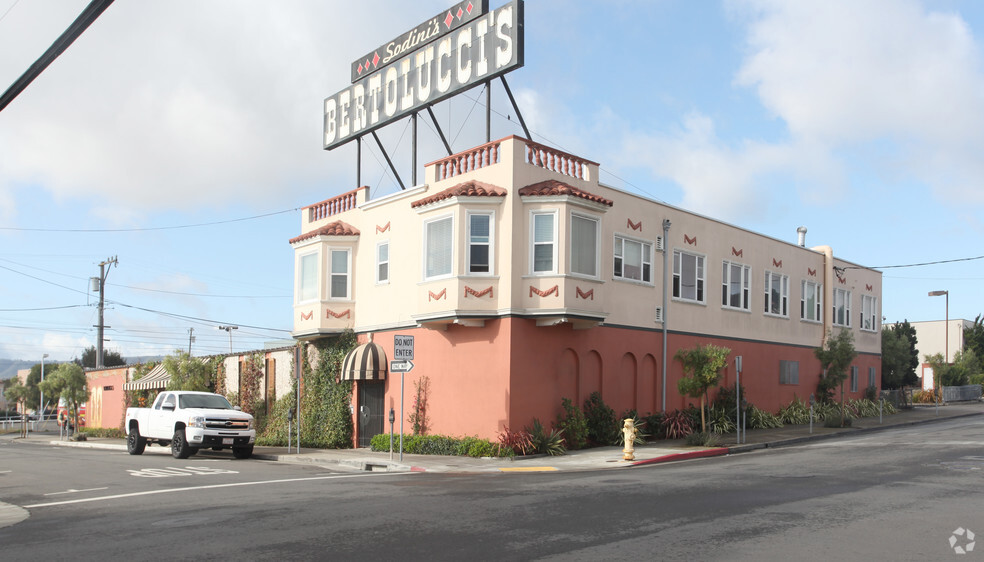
[[431, 30], [478, 50]]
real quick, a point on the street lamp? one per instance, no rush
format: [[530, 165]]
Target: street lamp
[[41, 411], [946, 332], [229, 329]]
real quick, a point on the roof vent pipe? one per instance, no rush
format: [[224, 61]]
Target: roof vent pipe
[[801, 231]]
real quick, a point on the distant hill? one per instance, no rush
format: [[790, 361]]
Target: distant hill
[[9, 367]]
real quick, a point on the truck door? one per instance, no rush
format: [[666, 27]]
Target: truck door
[[161, 417]]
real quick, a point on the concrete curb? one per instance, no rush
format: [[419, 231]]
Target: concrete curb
[[715, 452], [847, 432]]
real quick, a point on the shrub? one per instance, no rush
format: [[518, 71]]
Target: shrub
[[871, 393], [835, 421], [551, 443], [760, 419], [435, 445], [572, 425], [796, 412], [519, 442], [654, 425], [108, 432], [702, 439], [721, 420], [601, 421], [677, 424]]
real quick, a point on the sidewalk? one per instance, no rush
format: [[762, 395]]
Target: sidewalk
[[589, 459]]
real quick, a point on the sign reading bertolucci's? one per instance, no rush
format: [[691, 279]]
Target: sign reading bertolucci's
[[431, 30], [479, 50]]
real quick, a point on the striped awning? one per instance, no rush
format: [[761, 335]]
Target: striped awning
[[157, 378], [365, 363]]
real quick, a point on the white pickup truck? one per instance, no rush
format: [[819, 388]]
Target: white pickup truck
[[189, 421]]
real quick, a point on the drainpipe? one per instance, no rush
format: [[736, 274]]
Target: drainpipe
[[666, 303], [828, 290]]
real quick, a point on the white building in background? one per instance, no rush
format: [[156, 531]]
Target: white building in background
[[938, 336]]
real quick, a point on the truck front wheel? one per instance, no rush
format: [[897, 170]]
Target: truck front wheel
[[242, 452], [179, 447], [135, 444]]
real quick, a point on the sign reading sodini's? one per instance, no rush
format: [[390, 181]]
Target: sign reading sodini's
[[431, 30], [478, 51]]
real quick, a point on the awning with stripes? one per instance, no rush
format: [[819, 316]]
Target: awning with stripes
[[157, 378], [365, 363]]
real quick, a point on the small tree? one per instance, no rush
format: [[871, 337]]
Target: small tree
[[110, 358], [68, 382], [835, 357], [899, 358], [189, 373], [974, 337], [702, 369]]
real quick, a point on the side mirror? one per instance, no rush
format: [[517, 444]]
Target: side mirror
[[168, 407], [237, 408]]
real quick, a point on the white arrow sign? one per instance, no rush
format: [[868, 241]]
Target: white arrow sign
[[401, 366]]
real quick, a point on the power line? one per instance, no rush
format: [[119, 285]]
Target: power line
[[912, 264]]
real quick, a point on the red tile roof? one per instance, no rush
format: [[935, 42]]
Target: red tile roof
[[468, 189], [337, 228], [554, 187]]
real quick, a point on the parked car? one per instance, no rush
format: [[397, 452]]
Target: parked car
[[189, 421]]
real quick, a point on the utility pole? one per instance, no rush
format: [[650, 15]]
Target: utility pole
[[229, 329], [191, 338], [101, 280]]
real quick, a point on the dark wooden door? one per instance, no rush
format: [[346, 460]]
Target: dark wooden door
[[371, 414]]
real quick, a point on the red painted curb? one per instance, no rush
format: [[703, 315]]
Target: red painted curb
[[716, 452], [417, 469]]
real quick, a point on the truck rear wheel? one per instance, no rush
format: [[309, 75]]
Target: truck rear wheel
[[135, 444], [179, 447]]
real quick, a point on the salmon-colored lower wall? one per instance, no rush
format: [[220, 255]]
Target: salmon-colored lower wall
[[105, 405], [511, 371]]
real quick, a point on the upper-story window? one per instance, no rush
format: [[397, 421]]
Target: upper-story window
[[438, 247], [633, 260], [584, 245], [480, 243], [735, 282], [688, 276], [338, 284], [544, 250], [869, 308], [776, 294], [307, 283], [382, 262], [842, 308], [811, 302]]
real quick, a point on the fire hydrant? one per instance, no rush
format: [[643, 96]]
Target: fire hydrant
[[629, 432]]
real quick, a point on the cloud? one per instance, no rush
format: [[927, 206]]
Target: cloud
[[183, 105], [844, 73]]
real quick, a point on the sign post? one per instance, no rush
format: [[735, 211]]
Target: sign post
[[403, 364]]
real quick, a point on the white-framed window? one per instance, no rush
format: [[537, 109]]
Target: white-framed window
[[789, 372], [543, 254], [871, 376], [338, 278], [854, 378], [842, 308], [438, 247], [776, 294], [382, 262], [633, 260], [584, 245], [688, 276], [735, 285], [307, 278], [480, 244], [869, 311], [811, 301]]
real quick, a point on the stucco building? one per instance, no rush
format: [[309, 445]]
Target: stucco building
[[524, 280]]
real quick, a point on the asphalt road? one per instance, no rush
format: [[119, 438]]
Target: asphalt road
[[897, 494]]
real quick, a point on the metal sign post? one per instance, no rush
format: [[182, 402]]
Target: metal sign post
[[403, 364], [738, 423]]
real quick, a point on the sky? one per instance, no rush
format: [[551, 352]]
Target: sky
[[182, 138]]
